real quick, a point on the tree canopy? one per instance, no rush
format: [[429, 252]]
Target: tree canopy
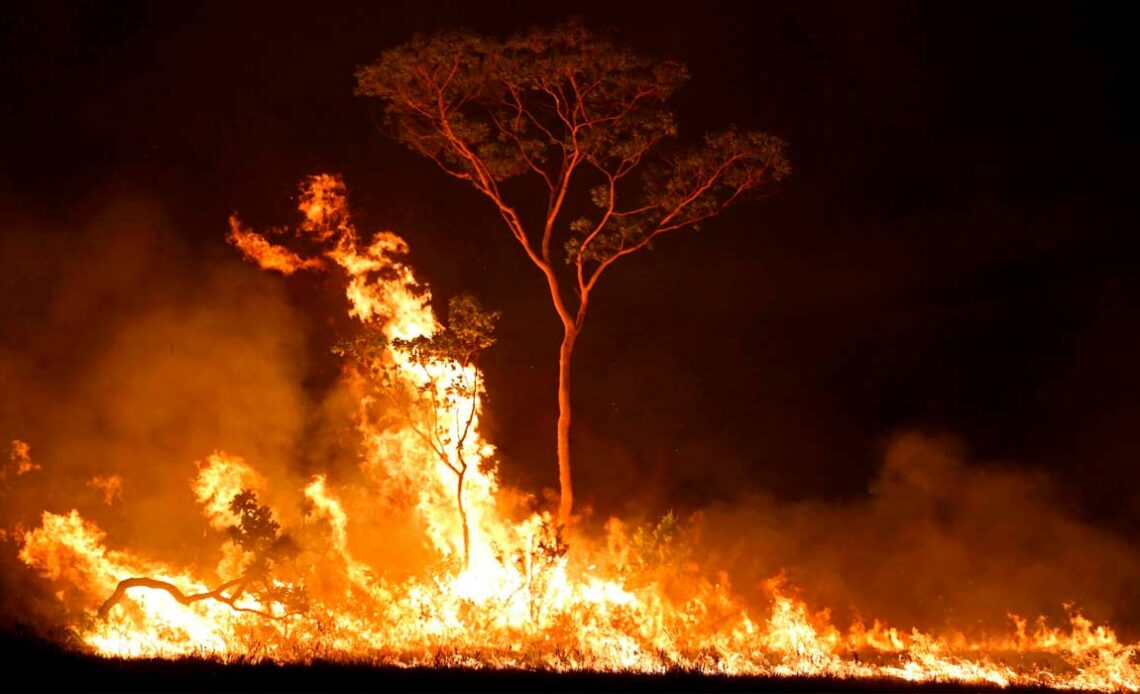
[[555, 102], [590, 120]]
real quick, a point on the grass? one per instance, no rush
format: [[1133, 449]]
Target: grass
[[40, 665]]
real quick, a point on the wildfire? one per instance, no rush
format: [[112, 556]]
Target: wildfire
[[21, 460], [111, 486], [505, 591]]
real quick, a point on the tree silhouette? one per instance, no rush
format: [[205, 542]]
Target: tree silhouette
[[589, 120]]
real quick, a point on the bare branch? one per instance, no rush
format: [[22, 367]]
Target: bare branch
[[523, 111], [583, 286], [522, 150], [555, 206], [217, 594]]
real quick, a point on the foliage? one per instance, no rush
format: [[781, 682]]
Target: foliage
[[260, 535], [551, 103], [439, 408], [366, 349], [537, 560], [432, 405], [659, 546], [469, 331], [587, 118]]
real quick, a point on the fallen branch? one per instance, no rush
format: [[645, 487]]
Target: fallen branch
[[217, 594]]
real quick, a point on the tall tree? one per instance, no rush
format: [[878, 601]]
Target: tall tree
[[587, 118]]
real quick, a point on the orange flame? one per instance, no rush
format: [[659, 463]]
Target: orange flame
[[521, 600], [21, 460], [111, 486]]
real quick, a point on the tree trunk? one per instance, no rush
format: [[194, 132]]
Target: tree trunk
[[463, 517], [566, 489]]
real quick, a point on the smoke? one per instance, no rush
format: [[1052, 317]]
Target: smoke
[[127, 356], [938, 542]]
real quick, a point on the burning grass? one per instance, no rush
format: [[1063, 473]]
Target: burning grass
[[61, 669], [293, 596]]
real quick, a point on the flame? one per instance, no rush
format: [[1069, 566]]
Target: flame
[[512, 594], [269, 256], [221, 477], [111, 486], [21, 460]]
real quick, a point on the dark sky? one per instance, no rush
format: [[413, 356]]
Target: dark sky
[[954, 253]]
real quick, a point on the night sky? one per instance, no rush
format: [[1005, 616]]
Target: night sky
[[954, 253]]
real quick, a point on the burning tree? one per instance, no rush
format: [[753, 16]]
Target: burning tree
[[589, 120], [425, 372], [440, 408]]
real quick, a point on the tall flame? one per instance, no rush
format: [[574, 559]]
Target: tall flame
[[512, 594]]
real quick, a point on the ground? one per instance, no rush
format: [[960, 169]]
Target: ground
[[37, 665]]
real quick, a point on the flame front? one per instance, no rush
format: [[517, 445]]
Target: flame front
[[505, 590]]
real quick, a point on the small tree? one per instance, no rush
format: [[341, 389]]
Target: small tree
[[586, 118], [442, 406]]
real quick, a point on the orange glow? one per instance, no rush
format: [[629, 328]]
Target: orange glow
[[524, 599], [21, 460], [268, 256], [111, 486]]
